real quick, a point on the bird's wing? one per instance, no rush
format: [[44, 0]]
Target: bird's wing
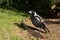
[[40, 18]]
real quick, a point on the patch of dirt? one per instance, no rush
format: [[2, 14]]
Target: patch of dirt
[[33, 33]]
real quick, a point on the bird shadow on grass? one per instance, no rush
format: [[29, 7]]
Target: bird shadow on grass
[[31, 30]]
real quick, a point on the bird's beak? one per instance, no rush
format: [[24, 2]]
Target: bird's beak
[[30, 12]]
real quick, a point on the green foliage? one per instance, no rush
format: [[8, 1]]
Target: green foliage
[[53, 1], [29, 4]]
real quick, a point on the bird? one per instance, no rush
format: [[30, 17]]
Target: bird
[[37, 20]]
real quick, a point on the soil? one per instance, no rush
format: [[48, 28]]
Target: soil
[[35, 33]]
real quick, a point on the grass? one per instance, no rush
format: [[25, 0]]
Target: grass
[[7, 27]]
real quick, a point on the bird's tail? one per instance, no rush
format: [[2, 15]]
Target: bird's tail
[[45, 28]]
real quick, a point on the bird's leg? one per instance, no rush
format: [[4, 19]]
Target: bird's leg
[[47, 29], [44, 29]]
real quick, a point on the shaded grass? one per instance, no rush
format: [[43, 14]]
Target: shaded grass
[[7, 28]]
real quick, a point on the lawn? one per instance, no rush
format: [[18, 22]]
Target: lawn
[[7, 28]]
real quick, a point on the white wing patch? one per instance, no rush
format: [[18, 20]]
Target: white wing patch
[[35, 14], [38, 19]]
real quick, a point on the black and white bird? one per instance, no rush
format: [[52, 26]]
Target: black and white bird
[[37, 21]]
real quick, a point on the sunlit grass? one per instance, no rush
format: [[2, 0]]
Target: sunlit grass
[[7, 27]]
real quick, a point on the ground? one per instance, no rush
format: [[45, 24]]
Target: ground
[[12, 29], [52, 24]]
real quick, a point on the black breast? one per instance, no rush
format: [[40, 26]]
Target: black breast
[[36, 21]]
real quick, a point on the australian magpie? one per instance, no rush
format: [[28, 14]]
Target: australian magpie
[[37, 21]]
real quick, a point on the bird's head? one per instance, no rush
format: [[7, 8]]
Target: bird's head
[[32, 12]]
